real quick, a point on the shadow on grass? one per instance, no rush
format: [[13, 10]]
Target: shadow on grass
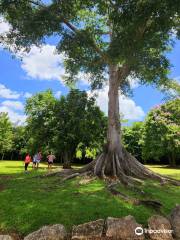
[[27, 203], [33, 203]]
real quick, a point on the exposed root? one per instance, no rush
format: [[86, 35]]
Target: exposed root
[[62, 173], [127, 169], [148, 203], [70, 177], [74, 175], [88, 167], [140, 171], [118, 165], [86, 179]]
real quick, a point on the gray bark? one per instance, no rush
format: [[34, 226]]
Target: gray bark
[[2, 157], [172, 160], [67, 161], [114, 132]]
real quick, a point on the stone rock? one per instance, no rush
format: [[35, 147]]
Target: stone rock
[[123, 228], [54, 232], [175, 221], [91, 230], [5, 237], [162, 227]]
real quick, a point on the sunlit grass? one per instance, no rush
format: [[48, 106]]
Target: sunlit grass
[[28, 202], [166, 170]]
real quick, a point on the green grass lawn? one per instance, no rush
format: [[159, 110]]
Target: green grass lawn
[[27, 203]]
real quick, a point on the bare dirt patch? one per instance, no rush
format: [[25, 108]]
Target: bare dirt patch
[[5, 177], [13, 234], [2, 187]]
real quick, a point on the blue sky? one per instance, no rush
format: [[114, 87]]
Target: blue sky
[[43, 69]]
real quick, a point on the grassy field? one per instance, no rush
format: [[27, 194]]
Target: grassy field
[[27, 203]]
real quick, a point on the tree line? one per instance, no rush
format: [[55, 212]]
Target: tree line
[[74, 128], [71, 127]]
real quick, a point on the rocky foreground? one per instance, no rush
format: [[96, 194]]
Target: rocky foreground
[[126, 228]]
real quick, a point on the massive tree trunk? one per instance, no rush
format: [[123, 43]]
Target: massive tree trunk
[[107, 164], [115, 162]]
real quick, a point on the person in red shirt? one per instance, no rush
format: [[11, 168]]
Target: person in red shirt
[[27, 161]]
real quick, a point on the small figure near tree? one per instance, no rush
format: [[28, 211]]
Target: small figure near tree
[[36, 160], [50, 160], [27, 161]]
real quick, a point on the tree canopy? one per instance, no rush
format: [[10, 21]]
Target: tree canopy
[[135, 35], [66, 124], [40, 113], [162, 132]]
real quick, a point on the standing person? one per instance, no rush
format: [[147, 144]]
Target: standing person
[[34, 160], [27, 161], [38, 159], [50, 159]]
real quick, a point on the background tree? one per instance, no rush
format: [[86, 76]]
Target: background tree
[[79, 124], [132, 138], [65, 125], [6, 134], [19, 145], [162, 132], [115, 38], [40, 110]]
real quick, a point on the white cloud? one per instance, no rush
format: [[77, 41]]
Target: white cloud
[[4, 26], [13, 108], [43, 63], [58, 94], [133, 81], [177, 78], [7, 93], [128, 107], [84, 78], [15, 117], [15, 105], [130, 110], [4, 29], [27, 95], [10, 94]]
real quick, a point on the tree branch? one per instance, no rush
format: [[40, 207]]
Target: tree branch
[[123, 72], [76, 30]]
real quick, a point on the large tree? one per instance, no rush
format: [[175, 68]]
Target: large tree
[[111, 39]]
